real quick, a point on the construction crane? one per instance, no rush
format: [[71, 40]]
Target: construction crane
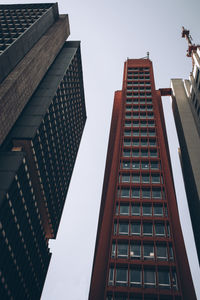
[[191, 47]]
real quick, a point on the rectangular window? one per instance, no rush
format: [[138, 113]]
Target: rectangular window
[[147, 210], [127, 124], [174, 281], [171, 254], [135, 277], [111, 276], [135, 251], [135, 152], [124, 228], [126, 153], [145, 165], [113, 252], [149, 278], [146, 193], [152, 142], [135, 123], [161, 251], [121, 276], [144, 142], [125, 193], [156, 193], [147, 229], [136, 132], [136, 193], [124, 209], [125, 177], [135, 210], [148, 251], [127, 133], [122, 250], [127, 142], [144, 153], [126, 165], [143, 132], [163, 279], [155, 178], [135, 228], [145, 178], [154, 165], [135, 142], [158, 210], [159, 229], [136, 178], [135, 164], [117, 209], [115, 228]]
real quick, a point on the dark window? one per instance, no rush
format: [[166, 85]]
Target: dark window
[[145, 165], [124, 209], [149, 278], [122, 250], [126, 165], [148, 251], [145, 178], [160, 229], [135, 277], [135, 209], [136, 165], [147, 210], [111, 276], [125, 193], [158, 210], [124, 228], [161, 252], [136, 228], [125, 178], [113, 252], [136, 193], [163, 279], [147, 229], [136, 178], [121, 276], [146, 193], [135, 251]]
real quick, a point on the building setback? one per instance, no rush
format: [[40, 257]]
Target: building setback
[[186, 109], [41, 128], [140, 252]]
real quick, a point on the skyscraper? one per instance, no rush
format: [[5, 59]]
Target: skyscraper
[[140, 252], [42, 118], [186, 108]]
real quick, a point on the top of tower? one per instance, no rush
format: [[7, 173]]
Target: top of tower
[[191, 47]]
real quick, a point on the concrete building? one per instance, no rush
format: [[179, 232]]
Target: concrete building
[[140, 252], [186, 108], [42, 116]]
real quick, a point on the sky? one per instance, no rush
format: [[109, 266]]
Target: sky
[[110, 31]]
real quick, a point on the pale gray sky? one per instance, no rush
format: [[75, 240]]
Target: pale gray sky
[[110, 31]]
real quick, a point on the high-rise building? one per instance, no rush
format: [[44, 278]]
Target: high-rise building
[[140, 252], [186, 108], [42, 116]]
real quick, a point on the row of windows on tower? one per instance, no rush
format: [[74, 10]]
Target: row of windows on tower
[[140, 152], [140, 142], [145, 251], [156, 229], [136, 95], [139, 108], [140, 69], [147, 278], [141, 132], [144, 193], [139, 115], [143, 165], [154, 178], [140, 88], [146, 209], [141, 100], [141, 123]]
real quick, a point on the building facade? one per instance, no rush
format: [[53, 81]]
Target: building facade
[[140, 252], [186, 109], [41, 129]]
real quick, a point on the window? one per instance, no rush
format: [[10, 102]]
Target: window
[[154, 165], [143, 132], [149, 278], [126, 153], [135, 164], [147, 229], [135, 251], [158, 210], [135, 210], [145, 165], [143, 124], [174, 281], [125, 177], [135, 132], [126, 165], [146, 193], [153, 153], [122, 250], [121, 276], [127, 123], [117, 209], [163, 279], [136, 178], [144, 142], [135, 277], [127, 142], [159, 229], [171, 254], [152, 142], [125, 193], [115, 228], [135, 142], [111, 276], [161, 251], [145, 178], [155, 178], [144, 153], [113, 252], [127, 133], [135, 228], [148, 251], [147, 210], [135, 152], [136, 193], [156, 193], [124, 209], [124, 228]]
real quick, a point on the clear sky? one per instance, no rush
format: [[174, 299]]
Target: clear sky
[[110, 31]]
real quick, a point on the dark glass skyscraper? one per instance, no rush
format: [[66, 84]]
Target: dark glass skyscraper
[[42, 117], [140, 252]]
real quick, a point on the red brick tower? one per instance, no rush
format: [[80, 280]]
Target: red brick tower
[[140, 252]]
